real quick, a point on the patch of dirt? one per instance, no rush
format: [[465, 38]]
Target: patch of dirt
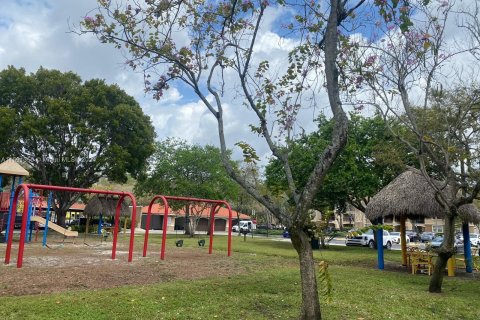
[[71, 267]]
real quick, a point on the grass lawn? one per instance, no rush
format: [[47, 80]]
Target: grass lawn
[[271, 292]]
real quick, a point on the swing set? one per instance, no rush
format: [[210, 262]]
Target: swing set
[[216, 204], [26, 188]]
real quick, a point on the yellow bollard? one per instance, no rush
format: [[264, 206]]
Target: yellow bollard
[[451, 267]]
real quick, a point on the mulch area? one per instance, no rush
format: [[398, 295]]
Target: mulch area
[[70, 267]]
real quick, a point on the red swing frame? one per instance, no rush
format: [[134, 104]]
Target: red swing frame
[[27, 187], [165, 199]]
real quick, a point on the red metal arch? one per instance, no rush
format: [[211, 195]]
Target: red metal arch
[[165, 218], [26, 188]]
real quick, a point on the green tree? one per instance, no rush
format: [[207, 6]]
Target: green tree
[[214, 48], [369, 161], [71, 133], [181, 169]]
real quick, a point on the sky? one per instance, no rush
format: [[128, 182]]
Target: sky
[[36, 33]]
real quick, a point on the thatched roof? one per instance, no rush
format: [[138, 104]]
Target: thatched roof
[[469, 213], [106, 206], [10, 167], [409, 195]]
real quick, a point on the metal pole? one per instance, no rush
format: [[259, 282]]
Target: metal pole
[[132, 227], [381, 264], [10, 209], [212, 227], [164, 233], [99, 227], [47, 218], [115, 229], [467, 249], [30, 212], [147, 226], [229, 250], [403, 240]]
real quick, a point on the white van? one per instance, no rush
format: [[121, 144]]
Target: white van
[[244, 225]]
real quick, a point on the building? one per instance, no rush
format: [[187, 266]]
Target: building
[[176, 218]]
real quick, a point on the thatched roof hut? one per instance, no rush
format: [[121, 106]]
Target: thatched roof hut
[[408, 195], [469, 213], [105, 206]]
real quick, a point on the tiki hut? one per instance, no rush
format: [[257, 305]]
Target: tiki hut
[[469, 213], [410, 195], [105, 206]]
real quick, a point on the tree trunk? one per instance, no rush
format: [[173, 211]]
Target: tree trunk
[[61, 216], [187, 220], [445, 252], [193, 225], [310, 300], [322, 242]]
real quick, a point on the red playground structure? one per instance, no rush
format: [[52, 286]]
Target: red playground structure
[[216, 203], [26, 191]]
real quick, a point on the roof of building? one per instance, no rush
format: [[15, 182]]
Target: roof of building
[[74, 207], [222, 212]]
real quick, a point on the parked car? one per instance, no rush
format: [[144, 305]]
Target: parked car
[[475, 239], [396, 237], [459, 235], [427, 236], [244, 226], [367, 239], [437, 242], [412, 235]]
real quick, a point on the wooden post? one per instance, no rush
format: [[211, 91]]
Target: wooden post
[[403, 240], [451, 267]]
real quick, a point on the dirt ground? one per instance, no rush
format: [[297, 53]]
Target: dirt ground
[[66, 267]]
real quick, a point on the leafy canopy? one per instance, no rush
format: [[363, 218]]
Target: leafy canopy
[[370, 160], [181, 169], [70, 132]]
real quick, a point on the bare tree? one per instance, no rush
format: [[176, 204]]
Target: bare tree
[[212, 48]]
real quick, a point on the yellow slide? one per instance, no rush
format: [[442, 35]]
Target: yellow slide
[[55, 227]]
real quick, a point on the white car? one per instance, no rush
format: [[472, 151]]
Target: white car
[[367, 239], [475, 239], [396, 237]]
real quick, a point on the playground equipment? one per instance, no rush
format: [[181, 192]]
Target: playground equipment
[[13, 169], [26, 188], [54, 227], [216, 203]]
